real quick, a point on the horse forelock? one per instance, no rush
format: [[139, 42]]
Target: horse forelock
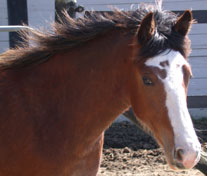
[[71, 33], [165, 38]]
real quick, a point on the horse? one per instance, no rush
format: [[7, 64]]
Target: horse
[[62, 90]]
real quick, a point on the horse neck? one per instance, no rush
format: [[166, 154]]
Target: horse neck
[[98, 88], [80, 91]]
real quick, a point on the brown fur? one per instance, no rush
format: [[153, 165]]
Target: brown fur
[[52, 118], [53, 114]]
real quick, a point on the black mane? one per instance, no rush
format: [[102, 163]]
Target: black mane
[[165, 38], [71, 33]]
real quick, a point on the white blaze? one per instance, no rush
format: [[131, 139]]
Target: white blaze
[[184, 134]]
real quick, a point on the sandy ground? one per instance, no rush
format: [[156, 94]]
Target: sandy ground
[[129, 151]]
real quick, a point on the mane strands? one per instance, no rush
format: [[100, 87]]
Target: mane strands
[[71, 33]]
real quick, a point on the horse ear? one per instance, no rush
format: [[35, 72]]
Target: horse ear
[[146, 29], [184, 22]]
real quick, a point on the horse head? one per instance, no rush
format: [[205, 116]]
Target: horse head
[[160, 89]]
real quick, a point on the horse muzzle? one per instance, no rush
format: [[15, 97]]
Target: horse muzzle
[[186, 159], [183, 156]]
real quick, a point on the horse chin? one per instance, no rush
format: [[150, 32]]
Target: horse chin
[[170, 160], [169, 157], [173, 165], [168, 147]]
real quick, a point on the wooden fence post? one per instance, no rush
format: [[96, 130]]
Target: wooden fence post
[[17, 15]]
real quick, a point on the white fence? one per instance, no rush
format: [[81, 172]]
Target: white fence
[[13, 28]]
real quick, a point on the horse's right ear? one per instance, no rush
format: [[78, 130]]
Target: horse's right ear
[[146, 29], [184, 23]]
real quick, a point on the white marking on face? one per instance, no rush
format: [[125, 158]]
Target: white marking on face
[[184, 134]]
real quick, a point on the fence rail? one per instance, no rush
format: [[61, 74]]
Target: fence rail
[[13, 28]]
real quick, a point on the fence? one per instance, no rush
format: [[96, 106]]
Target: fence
[[13, 28]]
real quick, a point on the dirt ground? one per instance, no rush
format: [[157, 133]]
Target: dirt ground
[[130, 152]]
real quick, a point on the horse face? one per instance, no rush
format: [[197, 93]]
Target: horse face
[[160, 104]]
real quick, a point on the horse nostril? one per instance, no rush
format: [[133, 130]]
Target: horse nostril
[[179, 154]]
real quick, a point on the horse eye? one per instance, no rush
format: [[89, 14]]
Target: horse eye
[[147, 81]]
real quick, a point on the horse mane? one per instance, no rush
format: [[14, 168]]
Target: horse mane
[[39, 45]]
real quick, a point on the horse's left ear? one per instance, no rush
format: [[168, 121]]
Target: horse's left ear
[[184, 22]]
